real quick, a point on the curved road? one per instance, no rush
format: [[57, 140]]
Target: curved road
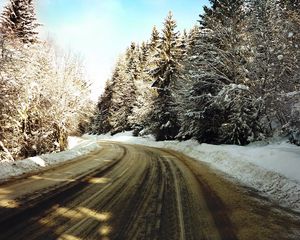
[[123, 192]]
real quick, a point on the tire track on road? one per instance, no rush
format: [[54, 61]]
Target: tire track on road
[[138, 193]]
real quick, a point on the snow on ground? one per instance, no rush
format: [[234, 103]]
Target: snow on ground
[[271, 169], [74, 141], [77, 147]]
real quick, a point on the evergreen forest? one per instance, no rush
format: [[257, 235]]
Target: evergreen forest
[[234, 78]]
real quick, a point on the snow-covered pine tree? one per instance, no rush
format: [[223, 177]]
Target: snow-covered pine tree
[[11, 93], [154, 40], [289, 95], [18, 21], [183, 44], [124, 91], [263, 62], [105, 117], [210, 103], [145, 95], [143, 55], [153, 51], [163, 118], [193, 36], [274, 59], [100, 123]]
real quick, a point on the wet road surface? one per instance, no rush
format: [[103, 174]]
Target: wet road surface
[[129, 192]]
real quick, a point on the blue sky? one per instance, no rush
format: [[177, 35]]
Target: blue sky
[[99, 30]]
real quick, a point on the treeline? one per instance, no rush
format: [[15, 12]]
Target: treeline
[[43, 92], [234, 78]]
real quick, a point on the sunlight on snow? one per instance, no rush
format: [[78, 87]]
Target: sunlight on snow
[[93, 214], [68, 237], [82, 212], [4, 191], [99, 180], [52, 179], [9, 203], [107, 161], [69, 213], [105, 230], [39, 161]]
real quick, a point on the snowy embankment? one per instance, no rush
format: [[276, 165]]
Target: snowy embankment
[[271, 169], [77, 147]]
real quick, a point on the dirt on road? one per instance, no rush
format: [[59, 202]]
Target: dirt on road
[[129, 192]]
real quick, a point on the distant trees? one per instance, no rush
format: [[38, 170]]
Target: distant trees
[[100, 123], [232, 79]]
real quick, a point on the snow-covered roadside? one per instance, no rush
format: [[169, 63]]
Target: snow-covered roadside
[[272, 169], [77, 147]]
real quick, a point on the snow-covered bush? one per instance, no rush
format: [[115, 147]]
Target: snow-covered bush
[[43, 94], [241, 115], [292, 128]]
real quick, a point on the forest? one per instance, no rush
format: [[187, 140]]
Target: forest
[[44, 94], [196, 134], [234, 78]]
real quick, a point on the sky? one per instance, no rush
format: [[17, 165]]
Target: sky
[[100, 30]]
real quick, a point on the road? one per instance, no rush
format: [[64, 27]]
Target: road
[[129, 192]]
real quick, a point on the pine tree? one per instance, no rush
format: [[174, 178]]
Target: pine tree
[[143, 55], [291, 19], [145, 94], [153, 51], [124, 91], [214, 102], [163, 118], [142, 81], [168, 54], [221, 11], [193, 36], [18, 21], [183, 44], [100, 123], [274, 66], [154, 40]]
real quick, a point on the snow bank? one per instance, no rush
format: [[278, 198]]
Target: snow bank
[[74, 141], [77, 147], [271, 169]]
